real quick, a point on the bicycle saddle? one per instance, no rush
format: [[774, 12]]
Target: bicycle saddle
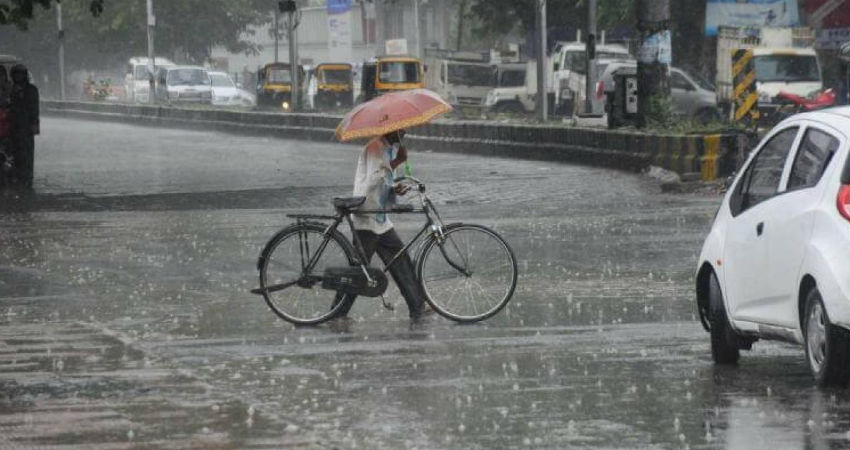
[[348, 202]]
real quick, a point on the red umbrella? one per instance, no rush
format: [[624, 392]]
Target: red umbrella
[[391, 112]]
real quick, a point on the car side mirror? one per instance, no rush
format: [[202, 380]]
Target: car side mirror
[[727, 183]]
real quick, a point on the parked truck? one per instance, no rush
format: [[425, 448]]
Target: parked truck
[[462, 81], [784, 60], [569, 72]]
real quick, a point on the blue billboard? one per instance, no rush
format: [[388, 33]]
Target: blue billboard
[[338, 6]]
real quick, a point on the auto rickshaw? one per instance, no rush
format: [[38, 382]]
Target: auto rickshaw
[[391, 73], [274, 85], [334, 85]]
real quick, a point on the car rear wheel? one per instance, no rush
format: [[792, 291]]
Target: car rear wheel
[[827, 345], [724, 349]]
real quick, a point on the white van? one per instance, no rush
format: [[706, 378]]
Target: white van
[[183, 84], [137, 79]]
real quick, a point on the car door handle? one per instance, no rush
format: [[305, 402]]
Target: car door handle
[[760, 228]]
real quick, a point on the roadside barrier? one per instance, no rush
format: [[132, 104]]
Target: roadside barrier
[[705, 157]]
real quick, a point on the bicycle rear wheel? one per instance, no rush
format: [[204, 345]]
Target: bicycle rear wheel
[[469, 274], [292, 294]]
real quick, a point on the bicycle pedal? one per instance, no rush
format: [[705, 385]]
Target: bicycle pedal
[[388, 306]]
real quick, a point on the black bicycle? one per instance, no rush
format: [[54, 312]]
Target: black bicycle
[[468, 272]]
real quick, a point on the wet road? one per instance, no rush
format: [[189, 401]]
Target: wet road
[[125, 320]]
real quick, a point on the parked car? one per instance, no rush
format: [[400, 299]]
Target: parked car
[[184, 84], [226, 93], [776, 262], [692, 96], [136, 79]]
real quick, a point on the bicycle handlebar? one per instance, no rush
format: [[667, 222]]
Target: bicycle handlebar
[[419, 184]]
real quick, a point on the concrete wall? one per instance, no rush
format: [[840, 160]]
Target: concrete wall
[[695, 156]]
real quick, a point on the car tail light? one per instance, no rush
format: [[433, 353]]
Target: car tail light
[[843, 201], [600, 89]]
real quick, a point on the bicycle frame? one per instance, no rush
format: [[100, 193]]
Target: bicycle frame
[[433, 223]]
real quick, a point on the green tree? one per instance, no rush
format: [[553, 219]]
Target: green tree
[[186, 31], [20, 12], [497, 17]]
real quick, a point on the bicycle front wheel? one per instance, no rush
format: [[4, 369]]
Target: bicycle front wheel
[[468, 274], [294, 294]]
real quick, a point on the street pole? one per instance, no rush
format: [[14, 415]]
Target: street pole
[[654, 57], [276, 35], [380, 32], [293, 58], [590, 50], [416, 28], [151, 58], [61, 50], [542, 92]]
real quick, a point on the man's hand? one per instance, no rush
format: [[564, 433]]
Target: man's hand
[[400, 157], [401, 188]]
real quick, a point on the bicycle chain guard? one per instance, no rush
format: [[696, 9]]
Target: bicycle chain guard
[[352, 280]]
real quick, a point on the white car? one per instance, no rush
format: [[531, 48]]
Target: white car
[[226, 93], [776, 263]]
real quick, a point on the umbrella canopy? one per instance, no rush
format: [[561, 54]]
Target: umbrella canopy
[[391, 112]]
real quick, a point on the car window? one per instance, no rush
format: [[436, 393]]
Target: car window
[[816, 150], [761, 180], [677, 81]]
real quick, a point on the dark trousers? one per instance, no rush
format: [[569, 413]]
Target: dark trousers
[[23, 150], [388, 245]]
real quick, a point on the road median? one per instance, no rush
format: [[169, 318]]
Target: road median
[[707, 157]]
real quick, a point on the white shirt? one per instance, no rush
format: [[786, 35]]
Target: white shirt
[[374, 180]]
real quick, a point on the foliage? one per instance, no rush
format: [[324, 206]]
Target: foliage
[[659, 114], [497, 17], [186, 30], [20, 12]]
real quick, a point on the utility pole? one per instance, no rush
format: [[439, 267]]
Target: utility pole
[[276, 35], [291, 9], [151, 57], [61, 50], [592, 75], [654, 57], [380, 31], [416, 29], [542, 92]]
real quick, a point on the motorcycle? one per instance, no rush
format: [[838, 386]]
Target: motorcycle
[[794, 104]]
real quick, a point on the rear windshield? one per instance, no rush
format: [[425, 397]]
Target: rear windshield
[[190, 77], [335, 76], [399, 72], [219, 80], [279, 76]]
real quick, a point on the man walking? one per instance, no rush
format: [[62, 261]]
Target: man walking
[[24, 125], [374, 180]]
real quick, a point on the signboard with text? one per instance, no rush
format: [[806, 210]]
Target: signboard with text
[[339, 30], [750, 13]]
